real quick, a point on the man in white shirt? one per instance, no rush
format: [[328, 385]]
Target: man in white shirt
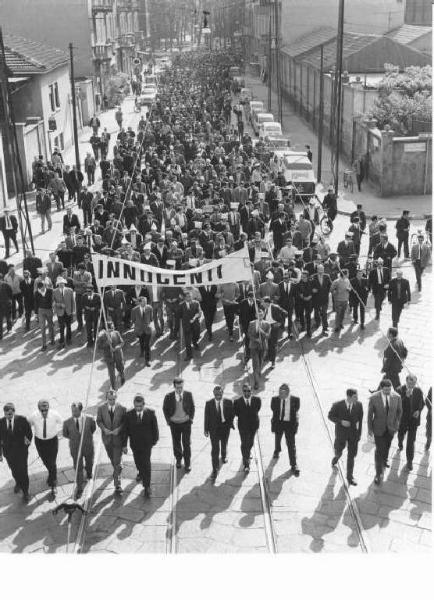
[[47, 424]]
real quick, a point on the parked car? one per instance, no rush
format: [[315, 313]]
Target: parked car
[[259, 118], [269, 128], [150, 80], [148, 95], [251, 107], [246, 95]]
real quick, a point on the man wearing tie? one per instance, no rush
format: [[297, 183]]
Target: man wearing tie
[[394, 355], [218, 421], [15, 438], [9, 228], [110, 419], [141, 317], [208, 304], [141, 429], [47, 423], [274, 315], [79, 430], [420, 254], [64, 307], [190, 318], [379, 278], [412, 406], [284, 420], [398, 294], [247, 313], [178, 409], [287, 300], [91, 308], [347, 415], [384, 415], [258, 333], [247, 408], [321, 284]]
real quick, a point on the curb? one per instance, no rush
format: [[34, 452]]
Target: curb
[[392, 217]]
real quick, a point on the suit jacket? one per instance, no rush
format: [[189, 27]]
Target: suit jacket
[[114, 301], [142, 324], [91, 305], [269, 288], [12, 443], [339, 412], [13, 221], [287, 299], [345, 250], [65, 304], [378, 420], [425, 254], [386, 253], [258, 340], [248, 416], [73, 435], [321, 296], [393, 355], [54, 270], [359, 290], [247, 314], [294, 407], [143, 434], [374, 285], [68, 223], [392, 292], [410, 405], [209, 299], [188, 313], [169, 405], [211, 417], [103, 420]]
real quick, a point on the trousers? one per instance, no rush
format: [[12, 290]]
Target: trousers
[[382, 447], [181, 435], [352, 445], [47, 450], [114, 452], [287, 429], [219, 441], [247, 437], [142, 460]]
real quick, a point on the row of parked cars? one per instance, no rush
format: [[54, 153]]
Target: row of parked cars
[[273, 145]]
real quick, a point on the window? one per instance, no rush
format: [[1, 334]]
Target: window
[[56, 95], [61, 142], [51, 97]]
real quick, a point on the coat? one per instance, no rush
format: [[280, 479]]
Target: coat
[[392, 292], [71, 432], [248, 416], [425, 254], [378, 420], [410, 404], [142, 323], [63, 304], [294, 407], [211, 418], [141, 434], [103, 421], [339, 412], [169, 405]]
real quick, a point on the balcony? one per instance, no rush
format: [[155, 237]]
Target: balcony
[[126, 40], [102, 52], [102, 6]]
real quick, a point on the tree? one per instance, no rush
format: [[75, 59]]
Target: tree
[[404, 100]]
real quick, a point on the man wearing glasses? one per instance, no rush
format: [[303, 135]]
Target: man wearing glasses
[[247, 408], [47, 424]]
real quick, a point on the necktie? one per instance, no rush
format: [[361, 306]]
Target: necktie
[[111, 413], [380, 276], [282, 411], [387, 405], [220, 410], [77, 425], [139, 417], [349, 408], [44, 430], [10, 425], [247, 401], [8, 222], [418, 253]]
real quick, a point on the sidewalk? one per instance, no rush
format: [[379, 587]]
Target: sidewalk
[[301, 134], [45, 243]]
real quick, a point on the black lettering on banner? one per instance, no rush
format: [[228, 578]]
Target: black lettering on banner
[[195, 278], [100, 268], [112, 269], [150, 276], [220, 271], [209, 273], [178, 279], [161, 281], [129, 272], [142, 275]]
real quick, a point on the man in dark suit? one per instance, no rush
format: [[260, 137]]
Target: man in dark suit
[[412, 405], [79, 430], [379, 278], [398, 294], [190, 318], [9, 228], [321, 284], [218, 422], [359, 296], [345, 249], [284, 420], [274, 315], [178, 409], [141, 428], [141, 316], [247, 408], [384, 416], [247, 313], [91, 307], [70, 220], [208, 305], [111, 419], [287, 291], [386, 251], [347, 415], [393, 356], [15, 437]]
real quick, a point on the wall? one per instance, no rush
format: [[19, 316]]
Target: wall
[[52, 22], [3, 190]]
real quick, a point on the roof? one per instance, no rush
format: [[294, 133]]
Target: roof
[[309, 41], [352, 43], [26, 57], [406, 34]]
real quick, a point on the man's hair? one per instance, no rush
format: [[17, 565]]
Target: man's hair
[[385, 383], [139, 398], [392, 331], [8, 405], [78, 405], [178, 380], [351, 392]]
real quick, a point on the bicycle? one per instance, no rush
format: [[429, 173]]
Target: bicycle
[[348, 180], [325, 223]]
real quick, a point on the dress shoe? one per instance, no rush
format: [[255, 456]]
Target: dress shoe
[[195, 345], [272, 365], [276, 455], [334, 462], [296, 471], [290, 336], [89, 474], [16, 489], [409, 466], [187, 468], [246, 469], [224, 460], [26, 497], [118, 489], [352, 481], [386, 465], [122, 380], [427, 447], [147, 492], [362, 327], [377, 480], [147, 363], [214, 475], [400, 447], [78, 494], [324, 333], [43, 348], [178, 464], [138, 478]]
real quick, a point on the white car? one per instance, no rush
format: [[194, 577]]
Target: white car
[[269, 129], [259, 118], [148, 95]]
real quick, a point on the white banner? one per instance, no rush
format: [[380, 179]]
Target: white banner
[[117, 271]]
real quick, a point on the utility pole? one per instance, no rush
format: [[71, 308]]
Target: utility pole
[[269, 61], [74, 105], [277, 43], [321, 114], [337, 104]]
